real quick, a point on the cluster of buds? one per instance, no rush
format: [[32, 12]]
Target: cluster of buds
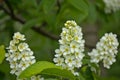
[[106, 50], [70, 54], [111, 5], [19, 54]]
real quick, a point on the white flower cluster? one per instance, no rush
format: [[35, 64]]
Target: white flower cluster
[[106, 50], [70, 53], [111, 5], [19, 54], [37, 78]]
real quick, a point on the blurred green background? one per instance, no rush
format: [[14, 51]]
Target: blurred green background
[[42, 20]]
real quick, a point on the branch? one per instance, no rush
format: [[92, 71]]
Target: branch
[[45, 33], [39, 30], [14, 17], [10, 7]]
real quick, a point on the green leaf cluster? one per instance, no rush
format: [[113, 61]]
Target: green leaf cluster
[[46, 68]]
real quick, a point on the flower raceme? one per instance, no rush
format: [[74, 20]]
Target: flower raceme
[[111, 5], [19, 55], [106, 50], [70, 54]]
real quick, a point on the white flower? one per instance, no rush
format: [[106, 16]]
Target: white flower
[[59, 52], [24, 56], [16, 56], [106, 50], [75, 73], [37, 78], [111, 5], [13, 48], [77, 38], [14, 41], [23, 65], [65, 32], [19, 36], [74, 46], [8, 55], [59, 61], [22, 46], [78, 63], [70, 24], [70, 53], [31, 62], [69, 37], [69, 60], [20, 55], [13, 71], [79, 55], [65, 49], [13, 64]]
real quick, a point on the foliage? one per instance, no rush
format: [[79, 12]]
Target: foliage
[[2, 53], [42, 20], [44, 67]]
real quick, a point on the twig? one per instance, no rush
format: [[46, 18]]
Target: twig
[[14, 17], [45, 33], [10, 7], [39, 30]]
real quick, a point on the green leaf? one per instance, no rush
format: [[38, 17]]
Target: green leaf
[[72, 10], [86, 61], [109, 78], [79, 4], [59, 72], [87, 73], [29, 4], [48, 5], [81, 77], [96, 68], [31, 23], [48, 68], [2, 53]]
